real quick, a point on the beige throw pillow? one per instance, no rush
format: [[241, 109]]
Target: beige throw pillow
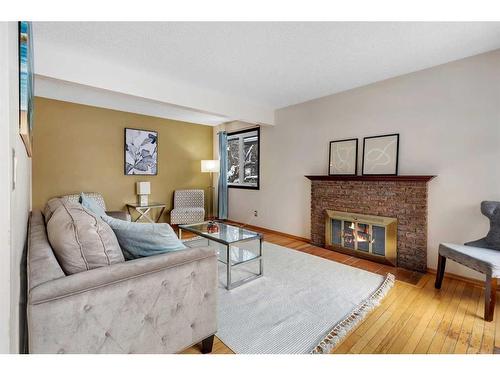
[[51, 207], [80, 240]]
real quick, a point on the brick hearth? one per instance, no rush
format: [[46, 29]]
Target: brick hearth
[[399, 198]]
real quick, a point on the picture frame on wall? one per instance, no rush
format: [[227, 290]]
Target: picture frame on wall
[[343, 157], [380, 155], [26, 85], [141, 152]]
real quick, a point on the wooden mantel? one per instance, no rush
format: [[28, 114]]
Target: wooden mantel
[[414, 178]]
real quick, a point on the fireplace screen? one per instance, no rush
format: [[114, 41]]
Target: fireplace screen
[[368, 236]]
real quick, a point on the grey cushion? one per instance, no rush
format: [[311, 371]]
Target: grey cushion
[[139, 240], [81, 241], [486, 261], [51, 207]]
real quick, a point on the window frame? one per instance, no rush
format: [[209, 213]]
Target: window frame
[[247, 187]]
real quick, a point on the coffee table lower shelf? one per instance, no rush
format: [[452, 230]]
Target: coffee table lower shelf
[[233, 259], [229, 267]]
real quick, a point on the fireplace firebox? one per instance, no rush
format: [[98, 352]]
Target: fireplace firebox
[[365, 236]]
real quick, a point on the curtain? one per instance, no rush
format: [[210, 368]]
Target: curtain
[[222, 209]]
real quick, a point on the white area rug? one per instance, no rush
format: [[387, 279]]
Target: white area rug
[[302, 304]]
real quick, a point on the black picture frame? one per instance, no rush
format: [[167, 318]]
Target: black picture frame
[[363, 163], [125, 172], [330, 157], [257, 187]]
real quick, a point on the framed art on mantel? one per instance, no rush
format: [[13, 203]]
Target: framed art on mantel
[[26, 85], [141, 152], [343, 157], [380, 155]]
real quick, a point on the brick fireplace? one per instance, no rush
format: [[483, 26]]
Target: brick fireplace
[[400, 197]]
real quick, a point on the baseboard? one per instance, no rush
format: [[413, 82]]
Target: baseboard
[[470, 280], [271, 231]]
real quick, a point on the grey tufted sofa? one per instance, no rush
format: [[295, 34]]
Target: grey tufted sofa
[[159, 304]]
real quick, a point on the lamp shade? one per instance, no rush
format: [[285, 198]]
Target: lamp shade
[[210, 166], [143, 188]]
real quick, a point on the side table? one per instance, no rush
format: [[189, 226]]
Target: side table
[[144, 210]]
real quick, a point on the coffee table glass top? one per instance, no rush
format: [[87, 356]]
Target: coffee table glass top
[[227, 233]]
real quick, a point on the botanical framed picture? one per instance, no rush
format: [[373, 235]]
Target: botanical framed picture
[[343, 157], [380, 155], [141, 152], [26, 85]]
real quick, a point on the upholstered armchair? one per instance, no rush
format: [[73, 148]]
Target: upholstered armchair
[[122, 215], [189, 207], [482, 255]]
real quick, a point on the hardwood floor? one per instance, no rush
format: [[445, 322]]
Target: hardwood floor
[[414, 317]]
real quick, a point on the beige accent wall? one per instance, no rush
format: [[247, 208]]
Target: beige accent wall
[[80, 148]]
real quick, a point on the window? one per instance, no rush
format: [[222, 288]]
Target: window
[[243, 159]]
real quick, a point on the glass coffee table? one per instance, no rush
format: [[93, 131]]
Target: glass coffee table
[[233, 255]]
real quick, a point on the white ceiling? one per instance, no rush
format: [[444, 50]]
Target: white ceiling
[[268, 65]]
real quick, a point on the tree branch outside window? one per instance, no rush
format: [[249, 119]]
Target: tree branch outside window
[[243, 159]]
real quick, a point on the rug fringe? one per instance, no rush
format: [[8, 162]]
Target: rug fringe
[[341, 330]]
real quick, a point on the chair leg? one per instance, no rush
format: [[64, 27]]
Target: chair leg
[[440, 271], [490, 295], [207, 344]]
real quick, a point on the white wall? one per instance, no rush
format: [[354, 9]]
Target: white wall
[[448, 118], [16, 203]]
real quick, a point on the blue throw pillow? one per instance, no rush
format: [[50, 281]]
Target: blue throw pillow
[[91, 205], [139, 240]]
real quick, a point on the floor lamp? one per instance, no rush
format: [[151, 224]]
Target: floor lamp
[[210, 166]]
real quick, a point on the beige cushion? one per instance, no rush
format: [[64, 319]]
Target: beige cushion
[[51, 206], [81, 241]]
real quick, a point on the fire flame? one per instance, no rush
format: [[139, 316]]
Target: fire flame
[[359, 238]]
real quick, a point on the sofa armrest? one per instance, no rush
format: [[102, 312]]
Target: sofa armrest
[[122, 215], [158, 304], [100, 277]]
